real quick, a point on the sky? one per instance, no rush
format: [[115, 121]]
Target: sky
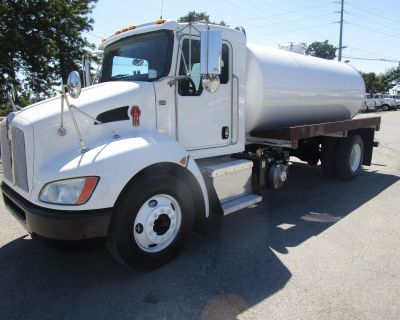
[[371, 28]]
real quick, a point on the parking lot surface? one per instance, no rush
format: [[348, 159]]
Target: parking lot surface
[[316, 249]]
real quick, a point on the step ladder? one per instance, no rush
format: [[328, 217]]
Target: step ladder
[[232, 181]]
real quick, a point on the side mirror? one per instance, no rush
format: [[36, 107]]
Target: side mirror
[[11, 92], [11, 98], [210, 59], [86, 71], [211, 52], [74, 85]]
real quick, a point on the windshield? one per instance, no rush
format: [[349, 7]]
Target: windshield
[[144, 57]]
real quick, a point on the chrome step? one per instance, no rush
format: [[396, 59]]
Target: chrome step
[[232, 181], [240, 203]]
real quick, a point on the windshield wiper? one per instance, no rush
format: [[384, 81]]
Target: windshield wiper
[[119, 76]]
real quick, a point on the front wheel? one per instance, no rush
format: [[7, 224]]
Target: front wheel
[[151, 222], [385, 107]]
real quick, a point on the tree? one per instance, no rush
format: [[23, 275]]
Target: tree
[[377, 82], [394, 75], [323, 50], [40, 43], [200, 16]]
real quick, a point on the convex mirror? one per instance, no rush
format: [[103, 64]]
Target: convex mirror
[[74, 84]]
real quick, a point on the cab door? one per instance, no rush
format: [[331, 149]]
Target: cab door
[[204, 118]]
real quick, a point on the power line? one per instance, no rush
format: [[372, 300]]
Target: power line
[[286, 13], [298, 30], [93, 35], [260, 6], [371, 59], [282, 22], [374, 14]]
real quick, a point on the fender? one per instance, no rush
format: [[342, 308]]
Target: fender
[[116, 163]]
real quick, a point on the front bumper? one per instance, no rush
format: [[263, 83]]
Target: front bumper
[[57, 224]]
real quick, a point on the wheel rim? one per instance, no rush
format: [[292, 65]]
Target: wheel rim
[[355, 157], [157, 223]]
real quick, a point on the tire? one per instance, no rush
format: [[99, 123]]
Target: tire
[[328, 151], [151, 222], [349, 157], [385, 107]]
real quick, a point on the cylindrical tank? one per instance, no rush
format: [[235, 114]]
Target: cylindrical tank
[[288, 89]]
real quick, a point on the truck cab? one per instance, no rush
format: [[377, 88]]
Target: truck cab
[[162, 56]]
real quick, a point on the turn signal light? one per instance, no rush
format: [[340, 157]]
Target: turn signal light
[[117, 32], [131, 27], [87, 190], [160, 21]]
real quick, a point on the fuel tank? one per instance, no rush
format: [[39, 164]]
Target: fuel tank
[[289, 89]]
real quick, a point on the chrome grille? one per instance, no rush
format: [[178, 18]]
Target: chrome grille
[[14, 160], [5, 154], [19, 158]]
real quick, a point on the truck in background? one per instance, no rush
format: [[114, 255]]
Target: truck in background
[[384, 102], [396, 98], [369, 103], [187, 119]]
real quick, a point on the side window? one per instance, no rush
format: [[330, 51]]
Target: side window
[[193, 87]]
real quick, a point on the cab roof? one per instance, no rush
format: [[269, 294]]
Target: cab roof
[[159, 24]]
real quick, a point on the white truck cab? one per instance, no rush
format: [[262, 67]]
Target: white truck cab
[[369, 103], [185, 117]]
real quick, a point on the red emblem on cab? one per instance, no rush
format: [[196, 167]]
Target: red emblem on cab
[[135, 114]]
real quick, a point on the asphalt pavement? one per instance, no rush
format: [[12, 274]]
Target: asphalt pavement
[[316, 249]]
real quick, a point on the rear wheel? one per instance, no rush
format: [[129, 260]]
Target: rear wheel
[[349, 157], [151, 222], [385, 107]]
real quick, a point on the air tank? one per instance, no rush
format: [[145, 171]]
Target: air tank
[[288, 89]]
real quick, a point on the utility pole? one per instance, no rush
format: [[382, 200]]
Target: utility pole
[[341, 33]]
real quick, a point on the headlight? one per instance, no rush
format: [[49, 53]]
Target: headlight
[[70, 191]]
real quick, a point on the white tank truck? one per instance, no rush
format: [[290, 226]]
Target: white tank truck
[[184, 118]]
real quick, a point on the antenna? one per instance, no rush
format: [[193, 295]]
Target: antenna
[[162, 5]]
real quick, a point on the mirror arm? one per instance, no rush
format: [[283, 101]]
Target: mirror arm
[[183, 58], [174, 79], [61, 129], [207, 50], [190, 50]]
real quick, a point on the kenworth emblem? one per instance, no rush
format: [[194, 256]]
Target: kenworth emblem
[[135, 114]]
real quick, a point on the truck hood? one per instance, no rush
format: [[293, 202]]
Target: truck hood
[[111, 102], [94, 100]]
